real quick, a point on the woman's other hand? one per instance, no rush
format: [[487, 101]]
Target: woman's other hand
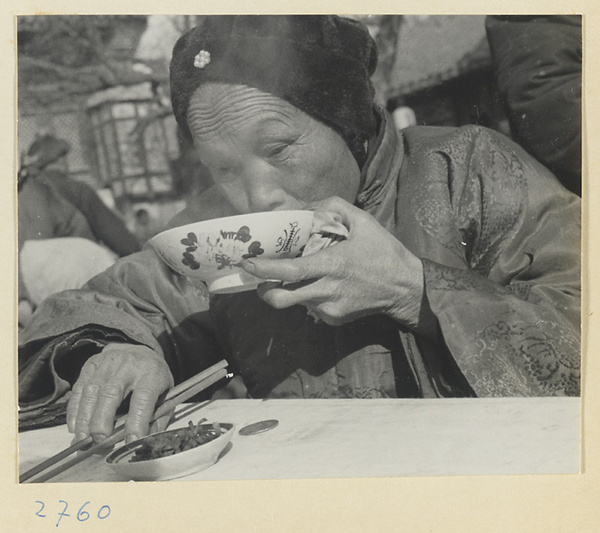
[[106, 380]]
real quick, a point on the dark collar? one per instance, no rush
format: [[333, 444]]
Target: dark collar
[[383, 162]]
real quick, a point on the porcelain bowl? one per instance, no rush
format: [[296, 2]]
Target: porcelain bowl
[[212, 249], [170, 467]]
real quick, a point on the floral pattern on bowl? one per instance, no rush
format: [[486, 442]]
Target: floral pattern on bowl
[[211, 250], [227, 247]]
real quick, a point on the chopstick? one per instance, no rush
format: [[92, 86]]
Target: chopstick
[[177, 395]]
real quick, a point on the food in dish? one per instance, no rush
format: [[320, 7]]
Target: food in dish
[[181, 440]]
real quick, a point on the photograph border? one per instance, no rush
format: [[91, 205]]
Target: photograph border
[[451, 503]]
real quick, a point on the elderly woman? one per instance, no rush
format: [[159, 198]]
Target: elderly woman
[[459, 276]]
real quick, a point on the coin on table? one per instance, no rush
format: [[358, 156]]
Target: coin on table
[[258, 427]]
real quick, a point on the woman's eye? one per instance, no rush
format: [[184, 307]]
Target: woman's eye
[[276, 149]]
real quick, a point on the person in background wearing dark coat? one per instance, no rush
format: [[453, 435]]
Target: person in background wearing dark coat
[[538, 67]]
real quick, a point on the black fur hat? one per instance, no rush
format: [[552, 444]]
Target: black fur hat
[[321, 64]]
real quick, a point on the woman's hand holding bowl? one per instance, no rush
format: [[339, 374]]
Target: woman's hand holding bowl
[[369, 273]]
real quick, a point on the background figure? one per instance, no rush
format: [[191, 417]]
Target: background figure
[[538, 66], [106, 226], [60, 224]]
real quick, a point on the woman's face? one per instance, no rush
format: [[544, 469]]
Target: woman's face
[[265, 154]]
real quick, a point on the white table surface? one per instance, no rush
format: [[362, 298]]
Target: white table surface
[[367, 438]]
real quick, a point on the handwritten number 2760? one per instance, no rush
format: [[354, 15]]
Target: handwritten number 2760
[[82, 514]]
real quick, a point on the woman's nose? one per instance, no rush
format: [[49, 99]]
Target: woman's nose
[[264, 192]]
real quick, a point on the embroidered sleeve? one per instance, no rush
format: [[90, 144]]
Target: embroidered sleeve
[[511, 315]]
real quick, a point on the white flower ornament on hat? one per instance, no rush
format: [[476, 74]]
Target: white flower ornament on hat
[[202, 58]]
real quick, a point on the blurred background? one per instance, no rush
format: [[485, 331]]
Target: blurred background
[[101, 83]]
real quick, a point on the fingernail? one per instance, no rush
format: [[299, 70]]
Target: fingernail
[[99, 438], [80, 436], [131, 438]]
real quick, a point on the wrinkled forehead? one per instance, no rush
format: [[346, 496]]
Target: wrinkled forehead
[[221, 106]]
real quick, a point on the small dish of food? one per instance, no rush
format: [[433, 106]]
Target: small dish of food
[[173, 453]]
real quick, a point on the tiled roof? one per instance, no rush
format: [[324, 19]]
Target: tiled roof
[[437, 48]]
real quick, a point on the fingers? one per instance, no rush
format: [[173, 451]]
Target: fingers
[[105, 380], [344, 209], [85, 412], [312, 266], [73, 406], [293, 270], [147, 389], [321, 298], [282, 269], [96, 411], [333, 204], [102, 422], [282, 296], [77, 392], [322, 309], [141, 409]]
